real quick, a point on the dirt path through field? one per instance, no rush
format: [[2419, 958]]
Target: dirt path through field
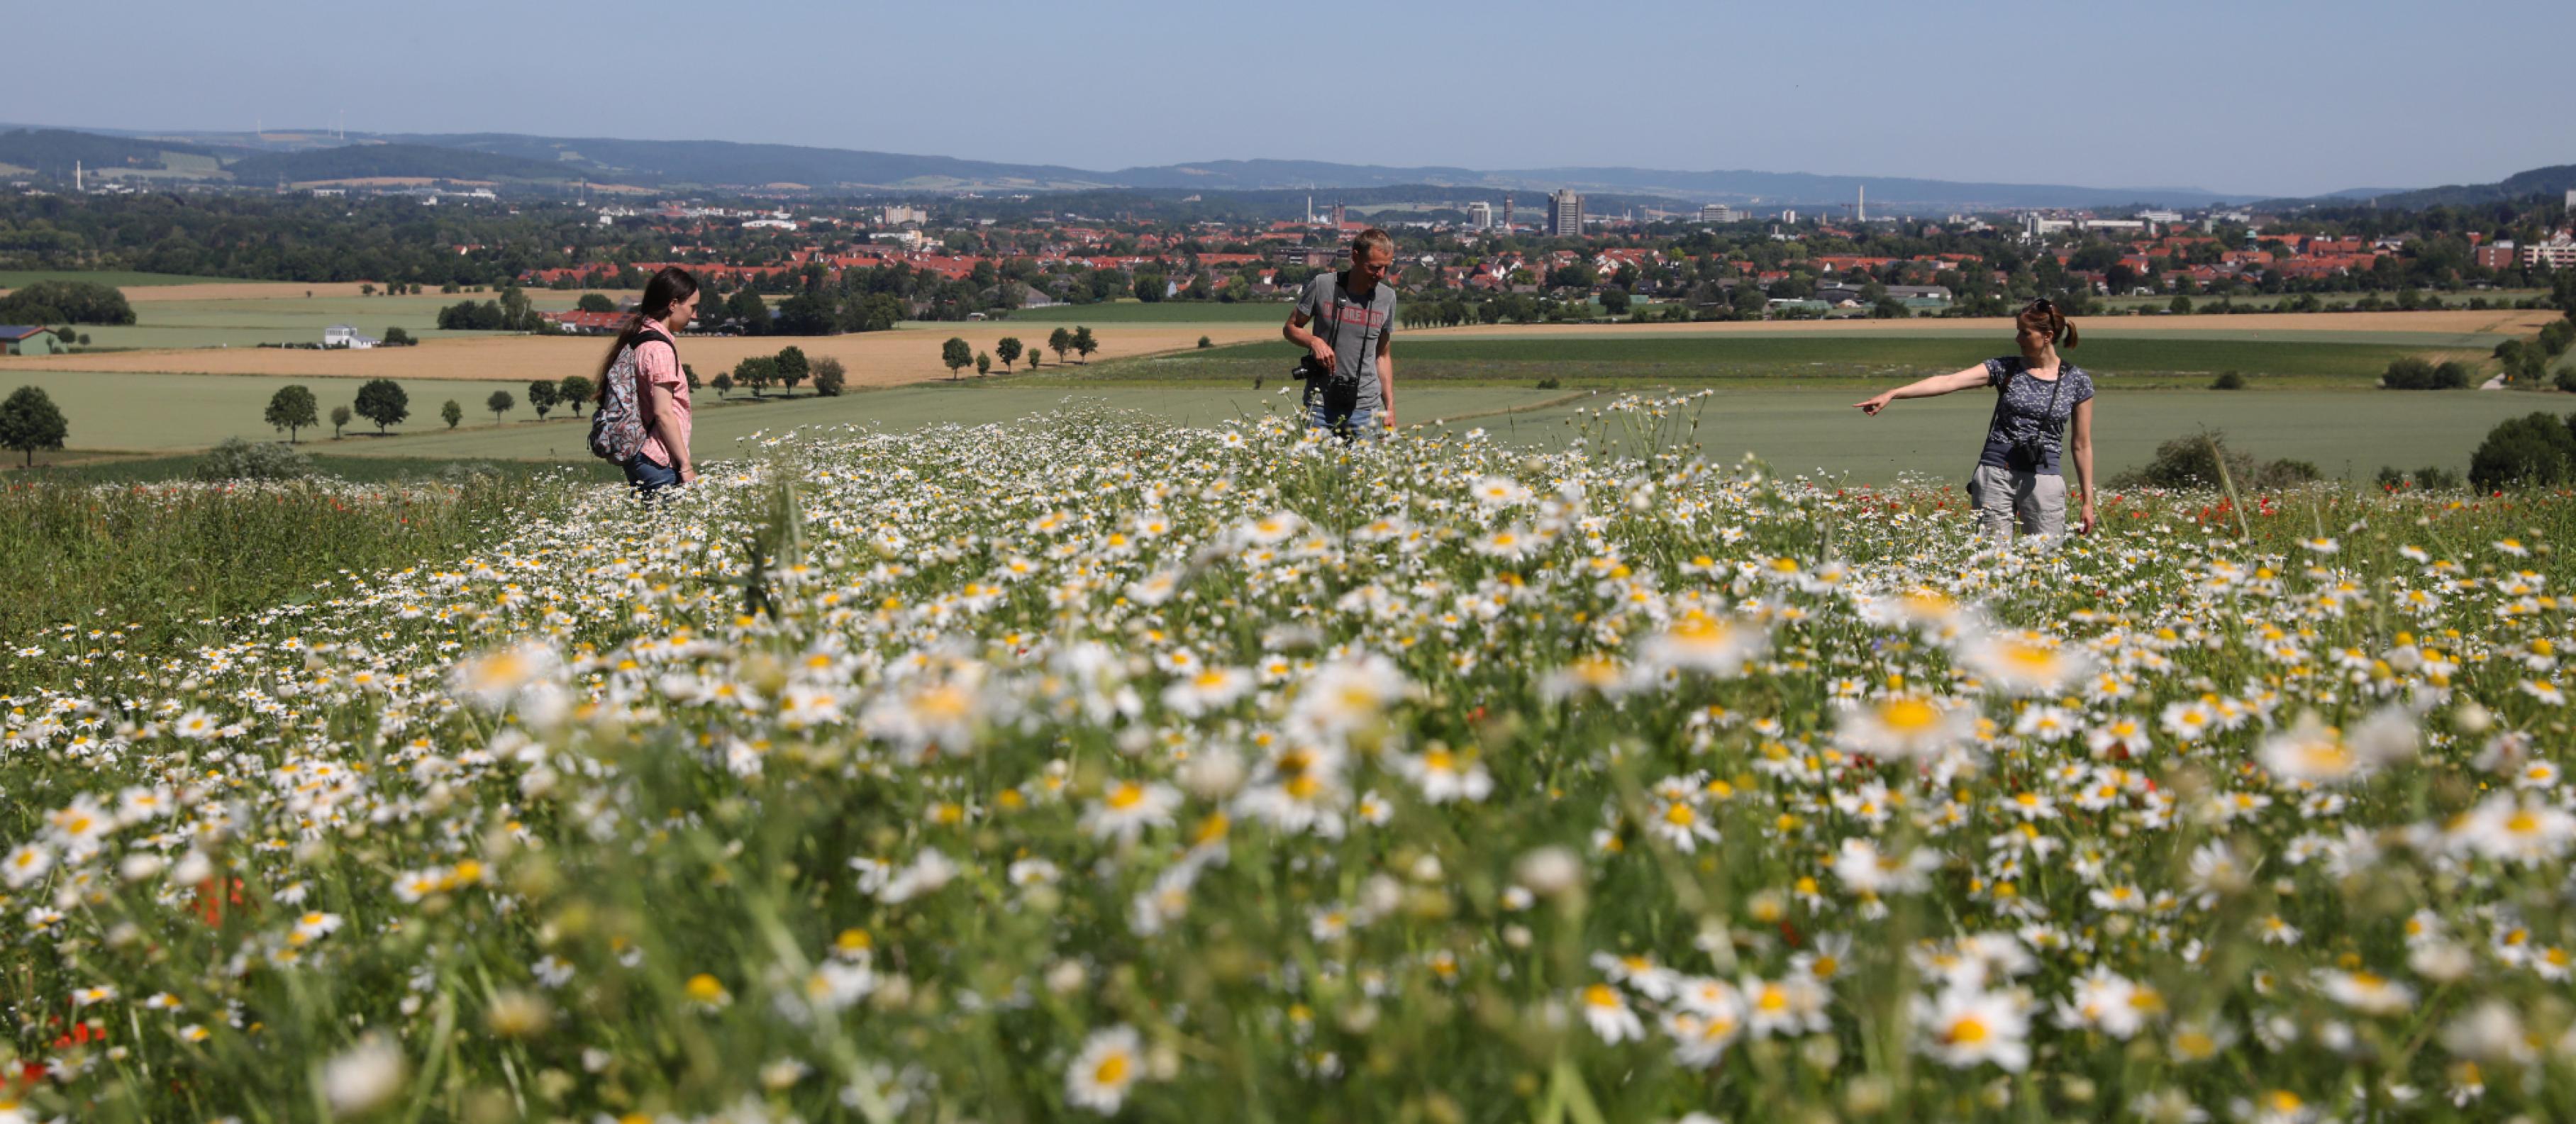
[[874, 358]]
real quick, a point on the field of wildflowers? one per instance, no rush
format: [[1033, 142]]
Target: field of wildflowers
[[1088, 766]]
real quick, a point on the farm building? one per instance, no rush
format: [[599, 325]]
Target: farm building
[[23, 339], [344, 336]]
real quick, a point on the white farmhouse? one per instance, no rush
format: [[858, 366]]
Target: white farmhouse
[[339, 336]]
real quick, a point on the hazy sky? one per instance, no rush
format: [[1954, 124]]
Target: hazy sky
[[2245, 96]]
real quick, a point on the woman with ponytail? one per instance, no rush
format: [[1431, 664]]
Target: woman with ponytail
[[650, 349], [2036, 394]]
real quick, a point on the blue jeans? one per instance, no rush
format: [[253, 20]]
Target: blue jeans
[[647, 477], [1339, 410]]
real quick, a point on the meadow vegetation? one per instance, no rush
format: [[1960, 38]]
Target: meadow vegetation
[[1090, 765], [1855, 360]]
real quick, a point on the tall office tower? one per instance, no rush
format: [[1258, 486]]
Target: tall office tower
[[1480, 216], [1565, 214]]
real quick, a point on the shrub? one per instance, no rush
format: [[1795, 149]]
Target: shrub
[[2190, 462], [2194, 461], [237, 459], [2416, 373], [1549, 383], [830, 376], [2228, 380], [1204, 343], [2286, 473], [2535, 450], [2555, 338], [2437, 478], [396, 337]]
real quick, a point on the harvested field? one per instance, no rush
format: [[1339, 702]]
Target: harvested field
[[874, 358]]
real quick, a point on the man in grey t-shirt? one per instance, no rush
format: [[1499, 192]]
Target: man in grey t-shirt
[[1350, 380]]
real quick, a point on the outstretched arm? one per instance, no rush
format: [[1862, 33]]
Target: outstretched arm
[[1932, 387]]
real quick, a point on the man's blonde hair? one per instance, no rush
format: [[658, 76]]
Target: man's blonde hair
[[1373, 236]]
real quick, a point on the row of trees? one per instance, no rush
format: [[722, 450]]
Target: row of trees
[[789, 367], [957, 354], [511, 312]]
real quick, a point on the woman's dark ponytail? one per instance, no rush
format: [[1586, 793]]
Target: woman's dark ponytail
[[668, 287]]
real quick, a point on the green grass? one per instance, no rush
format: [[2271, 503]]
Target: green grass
[[18, 278], [147, 412], [153, 567], [251, 322], [79, 470], [1165, 312], [2346, 434], [1806, 423], [1807, 360]]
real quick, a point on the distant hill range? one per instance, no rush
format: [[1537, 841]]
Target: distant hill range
[[281, 157]]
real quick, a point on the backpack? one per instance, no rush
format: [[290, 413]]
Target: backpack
[[617, 426]]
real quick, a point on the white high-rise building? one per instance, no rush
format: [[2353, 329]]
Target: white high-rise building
[[1480, 216], [1565, 214], [1718, 212]]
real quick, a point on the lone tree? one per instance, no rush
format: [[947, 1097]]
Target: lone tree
[[594, 302], [383, 402], [499, 403], [451, 413], [1007, 349], [292, 408], [340, 416], [396, 337], [723, 383], [1083, 344], [541, 394], [1059, 341], [983, 364], [756, 372], [956, 355], [574, 391], [830, 376], [29, 421], [792, 367]]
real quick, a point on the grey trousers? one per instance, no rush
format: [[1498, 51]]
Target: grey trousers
[[2036, 501]]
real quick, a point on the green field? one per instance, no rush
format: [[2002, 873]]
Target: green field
[[1796, 429], [15, 278], [2159, 361], [251, 322], [1166, 312], [156, 412], [147, 412], [2493, 297]]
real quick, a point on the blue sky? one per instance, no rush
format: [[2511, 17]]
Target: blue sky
[[2250, 96]]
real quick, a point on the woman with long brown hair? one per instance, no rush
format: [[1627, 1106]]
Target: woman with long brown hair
[[2036, 395], [650, 349]]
